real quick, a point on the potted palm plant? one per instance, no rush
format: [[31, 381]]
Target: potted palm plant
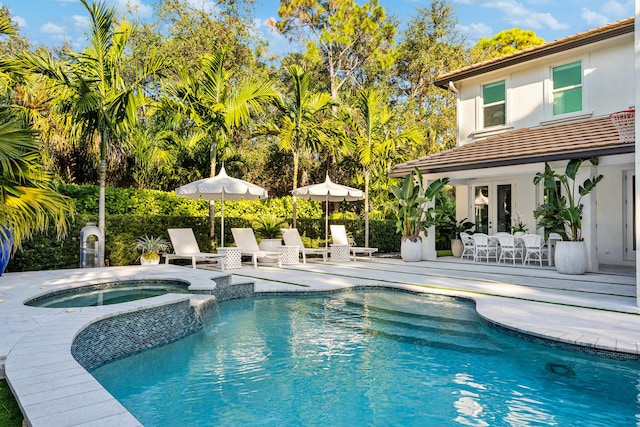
[[562, 214], [268, 227], [151, 247], [412, 217]]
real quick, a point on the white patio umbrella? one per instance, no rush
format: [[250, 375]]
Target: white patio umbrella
[[222, 187], [328, 191]]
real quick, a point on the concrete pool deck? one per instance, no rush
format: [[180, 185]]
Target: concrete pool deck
[[594, 310]]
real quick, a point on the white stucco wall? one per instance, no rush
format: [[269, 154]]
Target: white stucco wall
[[608, 86]]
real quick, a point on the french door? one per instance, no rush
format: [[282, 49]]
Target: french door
[[492, 207], [630, 216]]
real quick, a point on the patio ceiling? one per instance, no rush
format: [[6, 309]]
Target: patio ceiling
[[589, 138]]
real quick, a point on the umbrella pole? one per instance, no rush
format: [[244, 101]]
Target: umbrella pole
[[326, 223], [222, 224]]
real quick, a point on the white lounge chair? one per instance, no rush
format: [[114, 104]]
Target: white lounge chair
[[291, 237], [185, 246], [339, 237], [246, 241]]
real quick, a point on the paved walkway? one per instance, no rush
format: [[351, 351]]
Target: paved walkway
[[594, 310]]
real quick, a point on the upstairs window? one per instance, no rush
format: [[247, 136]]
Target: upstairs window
[[493, 98], [567, 88]]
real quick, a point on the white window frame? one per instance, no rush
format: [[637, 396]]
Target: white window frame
[[483, 105], [551, 91]]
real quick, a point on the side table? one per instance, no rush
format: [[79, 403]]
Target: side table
[[340, 253], [290, 254], [232, 258]]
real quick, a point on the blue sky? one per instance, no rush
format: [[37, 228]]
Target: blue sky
[[49, 22]]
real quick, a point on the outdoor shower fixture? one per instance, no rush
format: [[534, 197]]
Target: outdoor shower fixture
[[91, 245]]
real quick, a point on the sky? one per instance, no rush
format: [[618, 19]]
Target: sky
[[50, 22]]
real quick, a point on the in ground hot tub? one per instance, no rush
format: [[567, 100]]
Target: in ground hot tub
[[109, 293]]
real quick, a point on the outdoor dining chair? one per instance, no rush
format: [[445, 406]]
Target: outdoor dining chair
[[468, 246], [535, 249], [509, 248], [485, 248]]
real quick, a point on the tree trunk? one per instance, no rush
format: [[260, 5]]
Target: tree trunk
[[295, 186], [365, 174], [102, 178]]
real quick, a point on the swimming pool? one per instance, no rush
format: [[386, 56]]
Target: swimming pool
[[108, 293], [367, 358]]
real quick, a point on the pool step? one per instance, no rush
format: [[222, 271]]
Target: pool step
[[432, 331]]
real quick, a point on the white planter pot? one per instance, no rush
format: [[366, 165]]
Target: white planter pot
[[457, 247], [149, 261], [269, 245], [411, 251], [571, 257]]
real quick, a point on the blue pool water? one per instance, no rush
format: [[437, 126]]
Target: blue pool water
[[109, 293], [368, 358]]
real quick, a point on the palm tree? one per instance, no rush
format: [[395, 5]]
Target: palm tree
[[301, 126], [28, 200], [91, 86], [215, 108], [371, 126]]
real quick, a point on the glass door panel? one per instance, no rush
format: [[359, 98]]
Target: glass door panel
[[481, 201], [503, 208]]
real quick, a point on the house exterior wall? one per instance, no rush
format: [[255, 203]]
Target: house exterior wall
[[608, 85], [608, 71]]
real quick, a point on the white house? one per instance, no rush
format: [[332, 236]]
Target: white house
[[550, 103]]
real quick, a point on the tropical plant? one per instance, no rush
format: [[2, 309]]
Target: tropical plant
[[562, 213], [90, 85], [412, 217], [268, 226], [301, 126], [151, 246], [371, 127], [29, 202], [213, 107]]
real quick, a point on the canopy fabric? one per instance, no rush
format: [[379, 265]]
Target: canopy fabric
[[222, 187], [328, 191]]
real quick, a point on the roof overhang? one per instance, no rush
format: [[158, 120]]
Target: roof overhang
[[614, 29], [589, 138]]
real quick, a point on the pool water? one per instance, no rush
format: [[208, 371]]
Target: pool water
[[109, 293], [374, 358]]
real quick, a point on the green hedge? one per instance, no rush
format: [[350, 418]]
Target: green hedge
[[45, 252]]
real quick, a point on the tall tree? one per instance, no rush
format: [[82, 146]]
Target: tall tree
[[91, 86], [373, 127], [302, 125], [215, 106], [340, 34], [504, 43], [430, 45]]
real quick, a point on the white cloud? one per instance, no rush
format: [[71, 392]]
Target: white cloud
[[610, 11], [80, 22], [51, 28], [518, 15], [138, 8], [592, 18], [20, 21], [476, 31]]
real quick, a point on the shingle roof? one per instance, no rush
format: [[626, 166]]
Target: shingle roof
[[588, 138], [586, 37]]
